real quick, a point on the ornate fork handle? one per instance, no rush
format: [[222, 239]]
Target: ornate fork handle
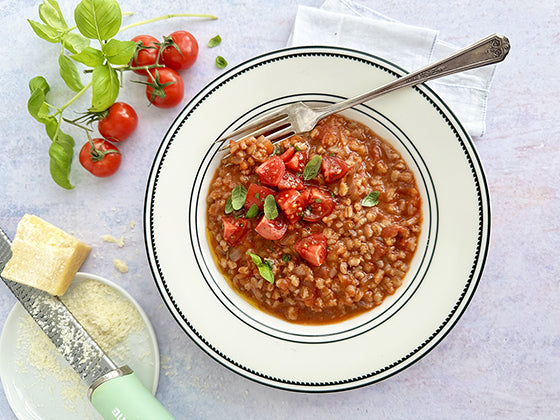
[[489, 50]]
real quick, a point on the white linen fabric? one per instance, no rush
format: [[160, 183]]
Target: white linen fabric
[[349, 24]]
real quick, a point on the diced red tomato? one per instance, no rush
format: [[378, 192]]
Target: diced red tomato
[[271, 171], [292, 201], [334, 168], [256, 195], [320, 204], [297, 162], [293, 218], [312, 248], [271, 229], [286, 156], [291, 180], [234, 229]]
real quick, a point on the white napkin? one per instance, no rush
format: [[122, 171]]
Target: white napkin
[[345, 23]]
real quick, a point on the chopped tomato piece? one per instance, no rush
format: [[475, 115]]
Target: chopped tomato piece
[[256, 195], [292, 201], [320, 204], [286, 156], [234, 229], [392, 231], [293, 218], [334, 168], [271, 171], [312, 248], [289, 181], [297, 162], [271, 229]]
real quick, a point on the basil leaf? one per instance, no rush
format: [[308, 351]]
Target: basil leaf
[[60, 152], [44, 31], [214, 42], [265, 268], [370, 200], [312, 168], [229, 207], [36, 103], [89, 56], [238, 197], [50, 13], [98, 19], [119, 52], [221, 62], [286, 257], [105, 88], [69, 73], [253, 211], [74, 42], [270, 208]]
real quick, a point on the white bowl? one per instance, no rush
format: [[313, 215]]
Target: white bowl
[[444, 272]]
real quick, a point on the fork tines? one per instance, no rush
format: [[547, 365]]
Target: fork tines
[[275, 126]]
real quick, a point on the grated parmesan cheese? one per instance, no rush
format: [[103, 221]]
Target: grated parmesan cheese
[[109, 318], [112, 239], [120, 265]]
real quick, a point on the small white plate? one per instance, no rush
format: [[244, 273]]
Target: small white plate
[[444, 272], [39, 394]]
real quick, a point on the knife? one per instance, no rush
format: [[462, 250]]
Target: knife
[[115, 392]]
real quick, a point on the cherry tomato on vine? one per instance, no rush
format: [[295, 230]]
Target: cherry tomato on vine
[[100, 157], [119, 123], [165, 88], [146, 54], [182, 52]]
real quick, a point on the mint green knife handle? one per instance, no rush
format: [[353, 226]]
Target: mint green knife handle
[[125, 397]]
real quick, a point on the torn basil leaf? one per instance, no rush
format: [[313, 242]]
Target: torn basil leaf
[[312, 168], [370, 200], [238, 197], [265, 268]]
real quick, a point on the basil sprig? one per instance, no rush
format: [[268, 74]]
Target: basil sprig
[[97, 20]]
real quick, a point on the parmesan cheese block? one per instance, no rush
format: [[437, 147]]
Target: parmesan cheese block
[[44, 256]]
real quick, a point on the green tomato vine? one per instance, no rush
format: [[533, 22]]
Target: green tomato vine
[[95, 20]]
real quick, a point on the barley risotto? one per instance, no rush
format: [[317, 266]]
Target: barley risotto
[[317, 228]]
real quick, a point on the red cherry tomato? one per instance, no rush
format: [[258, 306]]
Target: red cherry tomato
[[103, 159], [334, 168], [312, 248], [119, 123], [182, 52], [319, 205], [256, 195], [146, 53], [234, 229], [271, 171], [165, 88], [271, 229]]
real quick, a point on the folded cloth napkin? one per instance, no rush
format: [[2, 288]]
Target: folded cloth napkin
[[346, 23]]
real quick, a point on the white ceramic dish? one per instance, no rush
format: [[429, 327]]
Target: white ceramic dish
[[445, 270], [38, 394]]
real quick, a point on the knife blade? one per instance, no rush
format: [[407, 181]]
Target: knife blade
[[115, 392]]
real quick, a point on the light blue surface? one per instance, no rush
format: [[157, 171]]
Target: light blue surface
[[502, 360]]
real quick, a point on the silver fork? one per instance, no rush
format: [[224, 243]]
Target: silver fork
[[298, 117]]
